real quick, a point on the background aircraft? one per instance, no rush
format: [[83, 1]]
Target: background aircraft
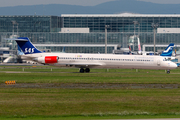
[[168, 51]]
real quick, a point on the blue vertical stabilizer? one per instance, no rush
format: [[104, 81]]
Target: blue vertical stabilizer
[[26, 46], [168, 51]]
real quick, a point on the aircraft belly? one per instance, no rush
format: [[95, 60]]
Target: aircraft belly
[[123, 65], [134, 65]]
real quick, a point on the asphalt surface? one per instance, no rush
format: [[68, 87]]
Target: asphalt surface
[[91, 86]]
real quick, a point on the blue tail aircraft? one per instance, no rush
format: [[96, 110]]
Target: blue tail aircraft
[[168, 51], [87, 61]]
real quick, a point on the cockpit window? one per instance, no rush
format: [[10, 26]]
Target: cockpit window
[[166, 59]]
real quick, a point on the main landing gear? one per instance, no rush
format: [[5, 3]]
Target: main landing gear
[[82, 70]]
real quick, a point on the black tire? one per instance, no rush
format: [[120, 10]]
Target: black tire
[[81, 70], [87, 70]]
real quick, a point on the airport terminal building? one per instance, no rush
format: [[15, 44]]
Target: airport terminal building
[[85, 33]]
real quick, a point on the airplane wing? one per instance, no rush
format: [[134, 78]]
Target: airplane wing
[[83, 64]]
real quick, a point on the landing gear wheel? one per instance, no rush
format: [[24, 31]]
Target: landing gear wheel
[[87, 70], [168, 71], [81, 70]]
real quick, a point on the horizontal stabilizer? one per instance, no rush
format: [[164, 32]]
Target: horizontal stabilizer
[[16, 39]]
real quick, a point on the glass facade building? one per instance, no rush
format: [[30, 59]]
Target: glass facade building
[[48, 32]]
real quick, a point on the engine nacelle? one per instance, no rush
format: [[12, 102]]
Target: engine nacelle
[[47, 59]]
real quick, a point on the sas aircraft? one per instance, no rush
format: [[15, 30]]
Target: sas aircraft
[[87, 61]]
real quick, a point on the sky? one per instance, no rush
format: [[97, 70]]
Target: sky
[[5, 3]]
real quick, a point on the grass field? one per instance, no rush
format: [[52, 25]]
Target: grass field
[[42, 74], [28, 102], [99, 103]]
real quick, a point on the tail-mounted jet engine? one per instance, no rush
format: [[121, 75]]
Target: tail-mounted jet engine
[[47, 59]]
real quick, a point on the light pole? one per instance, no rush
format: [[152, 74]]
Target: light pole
[[106, 26], [154, 25], [17, 29], [14, 22], [135, 23]]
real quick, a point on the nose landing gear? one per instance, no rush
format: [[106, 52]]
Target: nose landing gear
[[168, 71]]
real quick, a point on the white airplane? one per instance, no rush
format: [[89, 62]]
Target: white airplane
[[87, 61]]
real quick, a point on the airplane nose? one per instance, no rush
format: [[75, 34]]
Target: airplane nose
[[173, 65]]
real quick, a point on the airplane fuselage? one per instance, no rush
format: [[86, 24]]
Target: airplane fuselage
[[105, 61], [87, 61]]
